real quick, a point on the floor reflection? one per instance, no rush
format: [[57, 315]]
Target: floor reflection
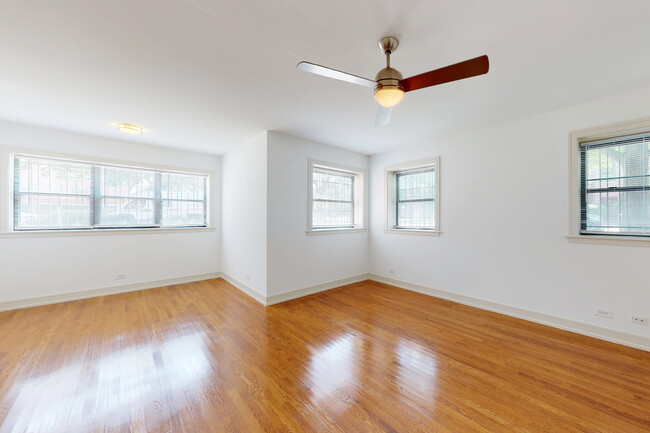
[[417, 368], [333, 368], [116, 383]]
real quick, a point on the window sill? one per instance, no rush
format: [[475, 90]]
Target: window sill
[[334, 231], [610, 240], [414, 232], [103, 232]]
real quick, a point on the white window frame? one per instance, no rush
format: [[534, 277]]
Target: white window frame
[[390, 202], [359, 196], [7, 156], [637, 126]]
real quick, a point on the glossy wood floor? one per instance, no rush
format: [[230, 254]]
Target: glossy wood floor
[[203, 357]]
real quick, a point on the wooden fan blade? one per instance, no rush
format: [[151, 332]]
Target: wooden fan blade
[[459, 71], [383, 115], [333, 73]]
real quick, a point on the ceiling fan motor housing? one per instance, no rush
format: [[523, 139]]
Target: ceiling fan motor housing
[[388, 78]]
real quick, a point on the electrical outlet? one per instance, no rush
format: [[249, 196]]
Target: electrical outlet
[[120, 277], [391, 270], [603, 312], [639, 320]]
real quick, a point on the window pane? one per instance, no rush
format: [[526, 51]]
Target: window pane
[[52, 176], [127, 197], [183, 200], [332, 214], [418, 214], [616, 185], [36, 211], [183, 213], [176, 186], [51, 194], [332, 199], [126, 182], [416, 199], [126, 212], [332, 186]]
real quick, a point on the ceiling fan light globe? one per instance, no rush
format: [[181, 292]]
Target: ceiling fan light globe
[[388, 96]]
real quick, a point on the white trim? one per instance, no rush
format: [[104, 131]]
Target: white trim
[[246, 289], [104, 291], [299, 293], [390, 195], [334, 231], [591, 134], [413, 232], [360, 193], [100, 232], [520, 313], [631, 241]]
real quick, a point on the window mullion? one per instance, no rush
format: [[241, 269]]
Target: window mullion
[[158, 198], [96, 180]]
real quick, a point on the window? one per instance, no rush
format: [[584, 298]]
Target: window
[[336, 197], [415, 192], [615, 186], [412, 194], [56, 194]]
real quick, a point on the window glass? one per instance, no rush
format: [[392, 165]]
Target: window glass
[[51, 194], [415, 193], [332, 199], [183, 199], [615, 186], [57, 194]]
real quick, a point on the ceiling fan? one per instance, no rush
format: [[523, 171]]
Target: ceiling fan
[[390, 86]]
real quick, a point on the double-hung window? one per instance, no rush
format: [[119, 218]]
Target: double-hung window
[[416, 199], [336, 197], [412, 197], [58, 194], [615, 186]]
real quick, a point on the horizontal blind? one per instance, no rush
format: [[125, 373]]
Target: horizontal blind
[[332, 198], [615, 186], [415, 196], [52, 194], [55, 194]]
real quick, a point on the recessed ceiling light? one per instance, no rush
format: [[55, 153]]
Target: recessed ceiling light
[[129, 128]]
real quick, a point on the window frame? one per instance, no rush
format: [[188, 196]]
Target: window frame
[[359, 197], [7, 198], [391, 203], [576, 138]]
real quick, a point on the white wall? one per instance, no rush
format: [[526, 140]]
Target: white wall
[[41, 265], [244, 226], [297, 261], [504, 218]]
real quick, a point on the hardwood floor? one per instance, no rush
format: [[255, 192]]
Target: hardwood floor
[[203, 357]]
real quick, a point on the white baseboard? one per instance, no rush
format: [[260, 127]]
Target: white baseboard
[[520, 313], [245, 288], [113, 290], [299, 293], [294, 294]]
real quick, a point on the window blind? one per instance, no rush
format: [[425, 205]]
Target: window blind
[[54, 194], [415, 196], [615, 186], [332, 198]]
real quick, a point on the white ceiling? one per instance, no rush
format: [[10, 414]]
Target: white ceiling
[[206, 74]]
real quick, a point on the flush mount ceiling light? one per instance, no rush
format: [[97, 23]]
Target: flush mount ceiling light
[[129, 128], [390, 86]]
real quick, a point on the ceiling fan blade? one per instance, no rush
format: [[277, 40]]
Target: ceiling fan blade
[[333, 73], [383, 115], [458, 71]]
